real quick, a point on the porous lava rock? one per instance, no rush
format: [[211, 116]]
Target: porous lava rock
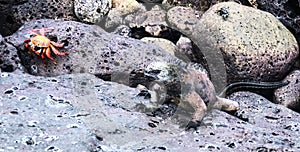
[[14, 13], [91, 11], [9, 59], [276, 122], [255, 47], [90, 48], [289, 95], [79, 112], [67, 113]]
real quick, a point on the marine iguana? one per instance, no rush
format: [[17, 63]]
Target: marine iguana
[[191, 84]]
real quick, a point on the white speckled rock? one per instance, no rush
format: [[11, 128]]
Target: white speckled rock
[[126, 6], [289, 95], [91, 11], [255, 45]]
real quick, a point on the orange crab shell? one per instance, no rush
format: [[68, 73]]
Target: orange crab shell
[[40, 41]]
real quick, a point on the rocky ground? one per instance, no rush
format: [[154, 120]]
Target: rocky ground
[[79, 112], [69, 107]]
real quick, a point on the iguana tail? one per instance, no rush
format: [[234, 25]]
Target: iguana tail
[[251, 85]]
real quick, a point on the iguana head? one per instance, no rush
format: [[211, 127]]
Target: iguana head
[[161, 71]]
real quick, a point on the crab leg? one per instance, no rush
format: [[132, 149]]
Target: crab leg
[[43, 30], [43, 57], [58, 44], [55, 51], [48, 54]]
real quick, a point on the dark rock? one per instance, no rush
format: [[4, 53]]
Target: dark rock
[[90, 49], [14, 13], [9, 59], [289, 95]]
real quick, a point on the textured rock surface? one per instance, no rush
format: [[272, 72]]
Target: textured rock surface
[[121, 8], [79, 112], [184, 19], [289, 95], [255, 48], [67, 113], [9, 59], [156, 16], [287, 11], [14, 13], [126, 6], [91, 11], [91, 50], [275, 121], [163, 43], [34, 117], [204, 5]]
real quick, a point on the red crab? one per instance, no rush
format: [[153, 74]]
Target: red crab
[[42, 46]]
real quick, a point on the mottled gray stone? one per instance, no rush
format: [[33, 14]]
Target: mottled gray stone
[[9, 59], [254, 44], [163, 43], [201, 5], [287, 11], [90, 48], [80, 112], [184, 19], [151, 20], [289, 95], [92, 11]]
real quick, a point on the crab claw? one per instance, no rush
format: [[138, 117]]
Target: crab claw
[[58, 44], [55, 51]]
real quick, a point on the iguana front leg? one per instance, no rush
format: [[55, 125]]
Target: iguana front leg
[[199, 106]]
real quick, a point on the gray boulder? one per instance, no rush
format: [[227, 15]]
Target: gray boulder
[[91, 50], [9, 59], [289, 95], [255, 45]]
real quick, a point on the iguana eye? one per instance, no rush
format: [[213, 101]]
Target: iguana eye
[[154, 72]]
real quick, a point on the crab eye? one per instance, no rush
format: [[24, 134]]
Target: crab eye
[[37, 48]]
